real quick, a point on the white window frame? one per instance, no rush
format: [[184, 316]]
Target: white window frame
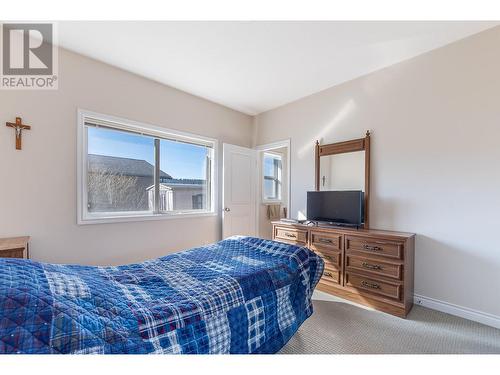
[[85, 217], [263, 179]]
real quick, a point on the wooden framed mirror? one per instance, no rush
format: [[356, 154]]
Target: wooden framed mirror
[[351, 159]]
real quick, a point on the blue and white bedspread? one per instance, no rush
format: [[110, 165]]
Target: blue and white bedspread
[[240, 295]]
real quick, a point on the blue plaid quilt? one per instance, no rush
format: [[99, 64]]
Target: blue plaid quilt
[[240, 295]]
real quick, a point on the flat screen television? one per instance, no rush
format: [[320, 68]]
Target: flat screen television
[[336, 207]]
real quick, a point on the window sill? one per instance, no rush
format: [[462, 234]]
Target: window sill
[[271, 201], [102, 219]]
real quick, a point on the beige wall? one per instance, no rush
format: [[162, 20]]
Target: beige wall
[[435, 159], [38, 184]]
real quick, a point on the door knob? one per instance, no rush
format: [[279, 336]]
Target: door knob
[[227, 209]]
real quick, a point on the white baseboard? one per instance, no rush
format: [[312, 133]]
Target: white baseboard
[[463, 312]]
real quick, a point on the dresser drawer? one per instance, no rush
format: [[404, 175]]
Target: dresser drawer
[[330, 276], [372, 285], [291, 235], [375, 247], [331, 258], [374, 266], [14, 253], [327, 241]]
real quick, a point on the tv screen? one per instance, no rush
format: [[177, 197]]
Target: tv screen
[[337, 207]]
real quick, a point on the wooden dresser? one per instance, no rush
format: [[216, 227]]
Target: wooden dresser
[[14, 247], [370, 267]]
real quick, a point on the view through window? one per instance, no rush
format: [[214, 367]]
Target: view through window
[[272, 176], [126, 171], [186, 186]]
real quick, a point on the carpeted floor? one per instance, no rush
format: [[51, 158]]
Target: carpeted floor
[[338, 327]]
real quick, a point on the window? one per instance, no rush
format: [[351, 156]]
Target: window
[[130, 170], [272, 177]]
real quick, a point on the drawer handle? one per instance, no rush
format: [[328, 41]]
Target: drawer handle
[[371, 266], [330, 258], [290, 235], [372, 248], [328, 274], [370, 285], [325, 240]]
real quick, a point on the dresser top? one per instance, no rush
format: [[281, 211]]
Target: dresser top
[[352, 231], [14, 243]]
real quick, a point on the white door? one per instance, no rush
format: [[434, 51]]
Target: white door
[[239, 191]]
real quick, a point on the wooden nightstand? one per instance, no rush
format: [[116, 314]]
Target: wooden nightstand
[[14, 247]]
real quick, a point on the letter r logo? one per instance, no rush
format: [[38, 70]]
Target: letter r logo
[[27, 49]]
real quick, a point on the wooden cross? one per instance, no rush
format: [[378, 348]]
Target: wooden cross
[[18, 127]]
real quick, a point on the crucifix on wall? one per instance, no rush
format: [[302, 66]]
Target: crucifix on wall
[[18, 127]]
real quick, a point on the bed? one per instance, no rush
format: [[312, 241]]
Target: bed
[[239, 295]]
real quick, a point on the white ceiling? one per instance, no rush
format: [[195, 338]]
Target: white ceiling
[[257, 66]]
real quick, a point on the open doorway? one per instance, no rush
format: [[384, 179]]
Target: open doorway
[[273, 185]]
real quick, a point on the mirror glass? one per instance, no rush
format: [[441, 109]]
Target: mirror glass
[[343, 171]]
